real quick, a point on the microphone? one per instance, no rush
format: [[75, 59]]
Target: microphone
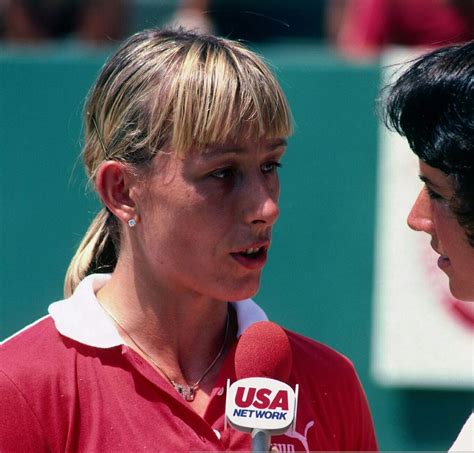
[[260, 402]]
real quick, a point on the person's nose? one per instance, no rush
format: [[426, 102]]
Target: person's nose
[[420, 217], [261, 201]]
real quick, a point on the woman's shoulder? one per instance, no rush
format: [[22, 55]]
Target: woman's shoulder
[[32, 351], [35, 388], [311, 356], [39, 330], [465, 439]]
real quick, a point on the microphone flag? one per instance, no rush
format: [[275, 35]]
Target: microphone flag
[[261, 403]]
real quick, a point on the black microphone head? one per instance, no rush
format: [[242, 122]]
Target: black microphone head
[[264, 350]]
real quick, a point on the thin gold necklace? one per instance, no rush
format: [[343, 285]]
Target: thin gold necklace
[[188, 392]]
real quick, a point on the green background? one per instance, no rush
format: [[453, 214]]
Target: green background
[[319, 277]]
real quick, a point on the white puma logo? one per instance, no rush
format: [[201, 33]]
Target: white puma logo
[[296, 435]]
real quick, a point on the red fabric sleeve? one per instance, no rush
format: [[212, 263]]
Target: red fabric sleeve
[[20, 429], [359, 420]]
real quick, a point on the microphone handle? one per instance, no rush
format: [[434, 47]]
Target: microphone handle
[[260, 441]]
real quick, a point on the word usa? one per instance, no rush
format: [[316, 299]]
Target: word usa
[[261, 398]]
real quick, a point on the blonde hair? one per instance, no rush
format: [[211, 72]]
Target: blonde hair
[[176, 89]]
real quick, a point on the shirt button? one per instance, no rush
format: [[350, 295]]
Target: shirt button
[[220, 392], [217, 433]]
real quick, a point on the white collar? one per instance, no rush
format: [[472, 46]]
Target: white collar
[[81, 317]]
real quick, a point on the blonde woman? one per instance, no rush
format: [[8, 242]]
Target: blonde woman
[[184, 137]]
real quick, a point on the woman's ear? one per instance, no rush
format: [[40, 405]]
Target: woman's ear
[[114, 182]]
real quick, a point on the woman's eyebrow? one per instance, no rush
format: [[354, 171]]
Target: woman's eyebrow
[[215, 150], [279, 142], [428, 181]]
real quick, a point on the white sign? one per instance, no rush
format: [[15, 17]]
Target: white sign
[[261, 403]]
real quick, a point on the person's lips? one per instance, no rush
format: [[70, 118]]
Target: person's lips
[[443, 262], [253, 256]]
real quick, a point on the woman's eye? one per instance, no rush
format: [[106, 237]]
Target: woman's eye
[[223, 173], [271, 167], [433, 195]]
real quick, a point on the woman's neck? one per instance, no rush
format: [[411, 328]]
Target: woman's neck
[[181, 331]]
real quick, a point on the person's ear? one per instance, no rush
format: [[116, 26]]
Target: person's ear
[[114, 182]]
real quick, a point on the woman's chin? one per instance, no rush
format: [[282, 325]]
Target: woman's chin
[[243, 293], [462, 292]]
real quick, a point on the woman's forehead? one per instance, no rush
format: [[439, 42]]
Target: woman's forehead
[[236, 146]]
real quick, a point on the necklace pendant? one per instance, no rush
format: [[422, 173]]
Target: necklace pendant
[[188, 392]]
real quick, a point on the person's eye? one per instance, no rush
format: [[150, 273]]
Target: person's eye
[[433, 195], [223, 173], [271, 167]]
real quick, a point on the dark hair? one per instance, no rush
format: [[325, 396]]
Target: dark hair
[[432, 105]]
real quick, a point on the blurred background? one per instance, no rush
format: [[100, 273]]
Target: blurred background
[[325, 277]]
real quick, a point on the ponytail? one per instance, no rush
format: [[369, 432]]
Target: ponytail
[[96, 252]]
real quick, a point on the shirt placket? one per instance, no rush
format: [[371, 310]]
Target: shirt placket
[[200, 430]]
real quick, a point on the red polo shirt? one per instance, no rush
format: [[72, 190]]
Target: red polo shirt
[[69, 383]]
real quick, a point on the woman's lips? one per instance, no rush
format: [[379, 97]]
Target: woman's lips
[[255, 260], [443, 262]]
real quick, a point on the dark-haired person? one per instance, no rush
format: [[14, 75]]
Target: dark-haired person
[[184, 138], [39, 21], [432, 105]]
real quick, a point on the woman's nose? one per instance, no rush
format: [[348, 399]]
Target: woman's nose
[[420, 216], [262, 202]]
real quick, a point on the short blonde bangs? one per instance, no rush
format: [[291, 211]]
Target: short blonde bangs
[[180, 92], [170, 91], [219, 93]]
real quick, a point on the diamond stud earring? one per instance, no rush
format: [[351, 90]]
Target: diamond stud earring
[[132, 223]]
